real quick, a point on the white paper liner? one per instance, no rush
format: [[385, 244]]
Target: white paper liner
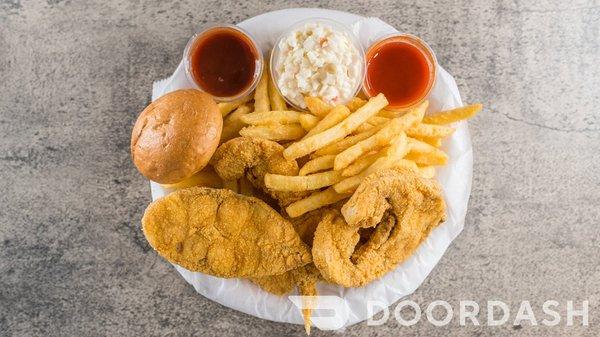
[[455, 179]]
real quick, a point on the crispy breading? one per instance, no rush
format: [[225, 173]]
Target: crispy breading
[[401, 206], [276, 284], [306, 224], [255, 157], [306, 278], [375, 239], [222, 233], [394, 189]]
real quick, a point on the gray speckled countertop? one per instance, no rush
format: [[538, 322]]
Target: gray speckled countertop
[[74, 75]]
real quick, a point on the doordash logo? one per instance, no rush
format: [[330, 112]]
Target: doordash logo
[[441, 313], [333, 312]]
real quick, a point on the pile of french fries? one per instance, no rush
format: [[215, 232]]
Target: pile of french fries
[[341, 145]]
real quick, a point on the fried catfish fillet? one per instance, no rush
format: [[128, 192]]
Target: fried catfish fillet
[[304, 278], [402, 207], [222, 233], [398, 190], [306, 224], [276, 284], [282, 284], [255, 157]]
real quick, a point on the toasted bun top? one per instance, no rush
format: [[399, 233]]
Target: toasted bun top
[[175, 136]]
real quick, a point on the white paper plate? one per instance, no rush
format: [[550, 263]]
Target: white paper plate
[[455, 179]]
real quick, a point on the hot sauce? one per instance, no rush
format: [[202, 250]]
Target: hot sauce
[[402, 69], [223, 62]]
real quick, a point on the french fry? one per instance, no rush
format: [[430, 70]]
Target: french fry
[[274, 132], [377, 120], [427, 171], [372, 122], [341, 130], [232, 124], [317, 164], [378, 140], [425, 154], [317, 107], [345, 143], [428, 158], [362, 163], [433, 141], [261, 93], [363, 128], [390, 114], [335, 115], [268, 117], [429, 130], [350, 184], [355, 103], [277, 102], [393, 157], [314, 201], [418, 146], [399, 147], [454, 115], [406, 164], [381, 138], [308, 121], [226, 107], [311, 182]]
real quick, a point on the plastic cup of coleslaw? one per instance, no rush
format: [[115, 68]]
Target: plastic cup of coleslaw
[[317, 57]]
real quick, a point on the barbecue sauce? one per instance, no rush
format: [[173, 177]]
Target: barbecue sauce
[[223, 62]]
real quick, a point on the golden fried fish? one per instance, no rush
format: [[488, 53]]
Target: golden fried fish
[[401, 206], [306, 224], [304, 278], [276, 284], [255, 157], [222, 233]]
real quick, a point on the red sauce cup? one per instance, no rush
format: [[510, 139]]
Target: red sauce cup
[[223, 61], [403, 68]]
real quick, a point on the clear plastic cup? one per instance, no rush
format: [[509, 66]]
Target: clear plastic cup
[[425, 50], [198, 38], [276, 54]]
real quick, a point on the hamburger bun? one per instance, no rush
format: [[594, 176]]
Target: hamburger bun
[[176, 135]]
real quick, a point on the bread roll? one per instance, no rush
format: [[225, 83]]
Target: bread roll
[[175, 136]]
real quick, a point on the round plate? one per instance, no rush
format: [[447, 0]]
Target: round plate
[[350, 304]]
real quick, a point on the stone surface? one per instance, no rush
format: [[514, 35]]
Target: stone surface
[[74, 75]]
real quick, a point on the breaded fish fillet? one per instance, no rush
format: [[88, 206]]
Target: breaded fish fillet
[[304, 278], [253, 158], [401, 206], [276, 284], [306, 224], [222, 233]]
